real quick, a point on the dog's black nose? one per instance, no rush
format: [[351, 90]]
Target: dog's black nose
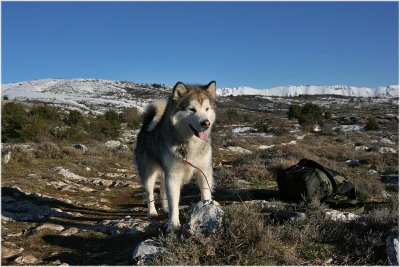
[[205, 124]]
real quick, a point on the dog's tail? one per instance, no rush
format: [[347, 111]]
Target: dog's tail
[[152, 115]]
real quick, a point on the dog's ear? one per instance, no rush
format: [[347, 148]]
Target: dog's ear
[[179, 90], [212, 88]]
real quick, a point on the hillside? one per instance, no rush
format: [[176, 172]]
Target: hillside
[[72, 196], [97, 95]]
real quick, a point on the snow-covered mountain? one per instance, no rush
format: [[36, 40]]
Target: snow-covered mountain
[[85, 94], [98, 95], [290, 90]]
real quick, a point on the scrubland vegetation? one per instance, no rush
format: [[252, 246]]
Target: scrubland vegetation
[[276, 132]]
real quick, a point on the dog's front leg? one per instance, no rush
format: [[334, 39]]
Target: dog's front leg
[[205, 185], [173, 182]]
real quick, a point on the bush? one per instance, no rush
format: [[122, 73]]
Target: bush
[[102, 128], [13, 119], [5, 97], [371, 125], [260, 127], [310, 114], [35, 129], [328, 115], [112, 116], [46, 112], [294, 112], [75, 118], [131, 116]]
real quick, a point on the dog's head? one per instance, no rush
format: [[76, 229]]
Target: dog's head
[[195, 109]]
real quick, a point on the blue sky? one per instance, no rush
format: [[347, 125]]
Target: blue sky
[[256, 44]]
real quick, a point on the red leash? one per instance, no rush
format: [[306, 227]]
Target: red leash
[[197, 168]]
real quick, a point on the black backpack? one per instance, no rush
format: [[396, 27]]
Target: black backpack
[[308, 180]]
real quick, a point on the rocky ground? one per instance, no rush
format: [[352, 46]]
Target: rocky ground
[[69, 206]]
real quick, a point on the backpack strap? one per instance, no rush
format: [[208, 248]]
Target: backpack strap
[[351, 205], [312, 164]]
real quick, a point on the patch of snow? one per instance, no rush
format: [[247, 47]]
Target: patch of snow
[[241, 130], [351, 128]]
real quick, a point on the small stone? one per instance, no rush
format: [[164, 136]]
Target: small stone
[[7, 253], [70, 231], [146, 251], [28, 259], [112, 144], [50, 226], [81, 147], [352, 163]]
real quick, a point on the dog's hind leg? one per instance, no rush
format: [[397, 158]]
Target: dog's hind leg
[[149, 179], [164, 199]]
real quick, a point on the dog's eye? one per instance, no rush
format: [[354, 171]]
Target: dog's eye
[[207, 109], [192, 110]]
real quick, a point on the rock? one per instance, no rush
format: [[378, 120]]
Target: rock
[[146, 251], [125, 226], [50, 226], [7, 157], [387, 150], [386, 141], [7, 253], [27, 260], [238, 149], [81, 147], [341, 216], [112, 144], [352, 163], [282, 216], [204, 219], [392, 248]]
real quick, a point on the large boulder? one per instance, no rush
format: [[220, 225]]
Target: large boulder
[[146, 251], [204, 219]]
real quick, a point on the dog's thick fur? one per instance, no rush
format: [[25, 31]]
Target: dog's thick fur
[[172, 131]]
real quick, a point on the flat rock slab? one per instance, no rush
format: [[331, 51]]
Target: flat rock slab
[[204, 219], [124, 226]]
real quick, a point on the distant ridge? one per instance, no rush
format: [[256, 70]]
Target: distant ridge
[[95, 95], [292, 90]]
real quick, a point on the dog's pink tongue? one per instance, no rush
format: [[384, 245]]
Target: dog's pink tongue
[[203, 135]]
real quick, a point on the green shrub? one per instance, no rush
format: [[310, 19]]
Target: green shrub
[[13, 119], [371, 125], [294, 112], [260, 127], [102, 128], [232, 115], [47, 113], [310, 114], [35, 129], [328, 115], [5, 97], [75, 118], [112, 116]]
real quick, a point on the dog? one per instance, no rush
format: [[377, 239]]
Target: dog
[[174, 133]]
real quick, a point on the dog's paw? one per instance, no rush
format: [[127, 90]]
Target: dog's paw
[[152, 213], [173, 227]]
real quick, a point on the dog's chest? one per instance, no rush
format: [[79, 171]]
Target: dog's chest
[[194, 150]]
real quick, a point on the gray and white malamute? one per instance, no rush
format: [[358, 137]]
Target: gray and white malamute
[[173, 133]]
